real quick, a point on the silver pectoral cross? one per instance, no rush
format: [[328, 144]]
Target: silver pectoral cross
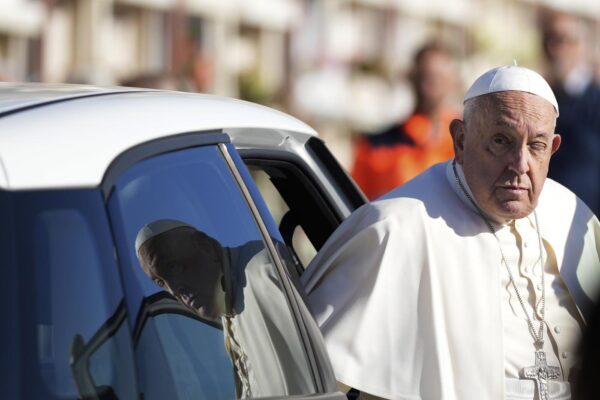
[[541, 372]]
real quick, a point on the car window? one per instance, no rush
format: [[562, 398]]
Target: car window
[[70, 296], [303, 251], [305, 216], [252, 350], [295, 178]]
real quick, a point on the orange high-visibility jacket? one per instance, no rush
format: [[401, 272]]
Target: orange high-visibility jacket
[[401, 152]]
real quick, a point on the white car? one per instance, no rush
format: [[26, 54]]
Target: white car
[[82, 169]]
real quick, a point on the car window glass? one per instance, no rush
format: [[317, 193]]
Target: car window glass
[[65, 251], [194, 375], [257, 340]]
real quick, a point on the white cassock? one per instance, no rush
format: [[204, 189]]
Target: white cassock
[[408, 292]]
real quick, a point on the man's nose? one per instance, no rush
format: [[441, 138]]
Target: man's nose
[[519, 162]]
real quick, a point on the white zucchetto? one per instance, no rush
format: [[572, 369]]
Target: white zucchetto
[[511, 77], [156, 228]]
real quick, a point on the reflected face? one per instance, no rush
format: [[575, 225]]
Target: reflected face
[[189, 267], [505, 147]]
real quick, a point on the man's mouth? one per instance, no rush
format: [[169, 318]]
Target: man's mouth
[[514, 190]]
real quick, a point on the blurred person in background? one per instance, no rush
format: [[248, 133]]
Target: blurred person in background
[[400, 152], [577, 164]]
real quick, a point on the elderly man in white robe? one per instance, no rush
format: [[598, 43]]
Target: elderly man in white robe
[[474, 280]]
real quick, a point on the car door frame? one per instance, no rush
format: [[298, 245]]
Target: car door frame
[[222, 141]]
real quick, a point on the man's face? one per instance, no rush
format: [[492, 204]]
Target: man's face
[[189, 269], [561, 44], [433, 78], [505, 148]]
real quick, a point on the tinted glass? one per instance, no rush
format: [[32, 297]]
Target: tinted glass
[[171, 370], [71, 337], [251, 348]]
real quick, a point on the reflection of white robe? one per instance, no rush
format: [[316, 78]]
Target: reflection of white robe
[[407, 290], [271, 349]]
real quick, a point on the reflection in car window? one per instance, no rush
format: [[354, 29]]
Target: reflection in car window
[[66, 266], [258, 338], [192, 374]]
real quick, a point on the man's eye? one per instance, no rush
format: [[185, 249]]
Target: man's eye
[[500, 140], [538, 146]]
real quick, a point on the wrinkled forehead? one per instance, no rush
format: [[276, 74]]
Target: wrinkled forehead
[[520, 106]]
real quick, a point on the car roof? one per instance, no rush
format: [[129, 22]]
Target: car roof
[[19, 96], [66, 136]]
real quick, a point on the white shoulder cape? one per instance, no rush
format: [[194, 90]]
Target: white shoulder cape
[[407, 296]]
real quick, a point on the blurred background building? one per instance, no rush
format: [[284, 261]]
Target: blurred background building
[[340, 65]]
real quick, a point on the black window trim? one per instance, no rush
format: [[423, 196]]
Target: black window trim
[[330, 166]]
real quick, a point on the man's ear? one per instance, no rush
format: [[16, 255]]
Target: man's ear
[[556, 141], [457, 130]]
